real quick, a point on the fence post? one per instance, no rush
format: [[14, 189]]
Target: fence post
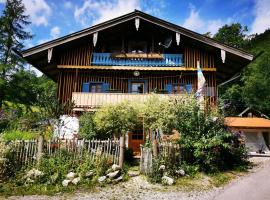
[[155, 146], [122, 145], [39, 148]]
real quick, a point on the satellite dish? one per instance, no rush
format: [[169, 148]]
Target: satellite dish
[[167, 42]]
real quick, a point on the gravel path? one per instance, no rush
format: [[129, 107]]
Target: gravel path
[[139, 188]]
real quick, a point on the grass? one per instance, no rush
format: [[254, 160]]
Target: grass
[[11, 189], [201, 181]]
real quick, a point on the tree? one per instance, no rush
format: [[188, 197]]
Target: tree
[[252, 89], [233, 35], [12, 35], [256, 90]]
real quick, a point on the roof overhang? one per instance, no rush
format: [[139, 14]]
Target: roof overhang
[[247, 122]]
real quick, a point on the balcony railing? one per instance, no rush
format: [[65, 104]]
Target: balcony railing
[[144, 60], [83, 100]]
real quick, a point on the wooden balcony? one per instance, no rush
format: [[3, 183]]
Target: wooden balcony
[[91, 101], [137, 59]]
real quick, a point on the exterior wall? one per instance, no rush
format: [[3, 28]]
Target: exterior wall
[[258, 133], [72, 80], [81, 56]]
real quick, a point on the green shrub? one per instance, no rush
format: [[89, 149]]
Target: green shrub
[[19, 135], [87, 126], [206, 141]]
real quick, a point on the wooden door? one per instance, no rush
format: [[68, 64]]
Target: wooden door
[[135, 139]]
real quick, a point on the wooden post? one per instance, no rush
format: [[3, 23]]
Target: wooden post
[[122, 146], [154, 144], [39, 148]]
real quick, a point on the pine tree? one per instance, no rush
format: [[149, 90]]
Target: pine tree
[[12, 35]]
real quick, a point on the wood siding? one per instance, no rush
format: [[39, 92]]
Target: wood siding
[[71, 80], [81, 56], [192, 55]]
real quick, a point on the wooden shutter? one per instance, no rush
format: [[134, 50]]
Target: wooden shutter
[[105, 87], [169, 88], [85, 87]]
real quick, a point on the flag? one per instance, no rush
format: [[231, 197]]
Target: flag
[[201, 83]]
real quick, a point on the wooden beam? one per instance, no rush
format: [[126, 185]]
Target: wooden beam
[[134, 68]]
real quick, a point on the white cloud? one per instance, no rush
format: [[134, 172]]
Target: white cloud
[[96, 12], [194, 22], [2, 1], [214, 25], [55, 32], [262, 16], [68, 5], [38, 10]]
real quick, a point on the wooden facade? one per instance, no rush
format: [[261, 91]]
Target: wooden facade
[[117, 60]]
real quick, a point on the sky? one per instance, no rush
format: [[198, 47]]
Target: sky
[[55, 18]]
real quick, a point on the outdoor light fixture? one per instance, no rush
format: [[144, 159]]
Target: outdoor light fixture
[[136, 73]]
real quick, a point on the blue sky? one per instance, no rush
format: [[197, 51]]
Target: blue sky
[[55, 18]]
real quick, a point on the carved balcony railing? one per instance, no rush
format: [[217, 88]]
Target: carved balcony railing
[[137, 59]]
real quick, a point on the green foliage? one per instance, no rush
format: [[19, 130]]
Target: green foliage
[[6, 118], [206, 141], [18, 135], [252, 89], [117, 118], [233, 35], [87, 126], [158, 113], [12, 34], [9, 165], [157, 172]]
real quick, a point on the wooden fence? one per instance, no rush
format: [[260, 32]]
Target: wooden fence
[[166, 150], [26, 151]]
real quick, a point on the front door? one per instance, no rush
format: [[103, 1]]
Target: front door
[[135, 139]]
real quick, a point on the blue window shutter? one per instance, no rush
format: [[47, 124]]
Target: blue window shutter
[[169, 88], [189, 88], [85, 87], [105, 87]]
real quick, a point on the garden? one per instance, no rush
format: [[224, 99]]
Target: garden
[[204, 146]]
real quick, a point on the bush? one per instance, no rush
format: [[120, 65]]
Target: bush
[[18, 135], [87, 126], [206, 141], [6, 118]]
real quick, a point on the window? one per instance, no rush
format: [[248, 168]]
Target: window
[[178, 88], [96, 87], [137, 135], [137, 88]]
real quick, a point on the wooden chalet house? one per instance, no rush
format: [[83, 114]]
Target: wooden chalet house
[[131, 56]]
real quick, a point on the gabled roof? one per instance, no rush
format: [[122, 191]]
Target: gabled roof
[[130, 16], [247, 122]]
